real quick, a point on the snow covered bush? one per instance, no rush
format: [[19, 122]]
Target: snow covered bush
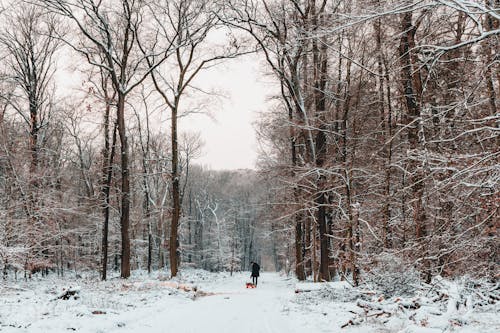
[[392, 276], [316, 293]]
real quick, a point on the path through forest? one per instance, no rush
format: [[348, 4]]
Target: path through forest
[[150, 304], [232, 309], [154, 303]]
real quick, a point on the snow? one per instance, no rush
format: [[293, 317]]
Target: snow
[[308, 286], [199, 301]]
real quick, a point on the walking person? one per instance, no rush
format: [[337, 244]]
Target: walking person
[[255, 272]]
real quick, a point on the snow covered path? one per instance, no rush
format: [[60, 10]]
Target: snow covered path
[[232, 309], [154, 304], [141, 309]]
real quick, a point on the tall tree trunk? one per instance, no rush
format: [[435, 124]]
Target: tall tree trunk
[[386, 135], [320, 63], [388, 235], [299, 246], [176, 209], [34, 128], [146, 203], [298, 215], [349, 255], [190, 222], [412, 93], [357, 244], [125, 195], [108, 160], [308, 247], [147, 208], [491, 49]]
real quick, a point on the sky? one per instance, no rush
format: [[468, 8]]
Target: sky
[[228, 132], [227, 126], [229, 137]]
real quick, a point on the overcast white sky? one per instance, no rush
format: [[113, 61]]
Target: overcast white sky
[[229, 135], [230, 140]]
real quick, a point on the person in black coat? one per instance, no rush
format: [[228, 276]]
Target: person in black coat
[[255, 272]]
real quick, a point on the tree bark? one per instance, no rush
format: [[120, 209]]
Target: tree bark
[[490, 51], [176, 209], [385, 119], [108, 160], [320, 63], [357, 245], [412, 92], [125, 188], [412, 88], [387, 232]]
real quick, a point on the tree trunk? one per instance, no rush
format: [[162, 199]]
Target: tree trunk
[[307, 248], [320, 63], [412, 93], [385, 119], [387, 232], [176, 209], [357, 244], [490, 49], [125, 195], [108, 159], [190, 222], [298, 216], [146, 206], [299, 245], [33, 137]]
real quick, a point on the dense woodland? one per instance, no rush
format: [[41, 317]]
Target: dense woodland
[[380, 147]]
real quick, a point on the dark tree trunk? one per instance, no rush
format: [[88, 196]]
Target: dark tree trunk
[[176, 209], [108, 160], [298, 216], [320, 63], [299, 245], [386, 137], [125, 195], [190, 222], [34, 128], [412, 93], [357, 245], [491, 51], [387, 233]]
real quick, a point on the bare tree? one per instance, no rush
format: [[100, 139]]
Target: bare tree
[[186, 24], [427, 64], [31, 48], [110, 36]]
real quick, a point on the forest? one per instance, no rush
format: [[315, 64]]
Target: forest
[[379, 151]]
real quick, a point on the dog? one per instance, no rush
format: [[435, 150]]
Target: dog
[[251, 285]]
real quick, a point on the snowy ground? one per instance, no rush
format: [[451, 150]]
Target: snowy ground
[[222, 304]]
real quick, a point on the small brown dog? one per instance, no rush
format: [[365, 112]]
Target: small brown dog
[[250, 285]]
